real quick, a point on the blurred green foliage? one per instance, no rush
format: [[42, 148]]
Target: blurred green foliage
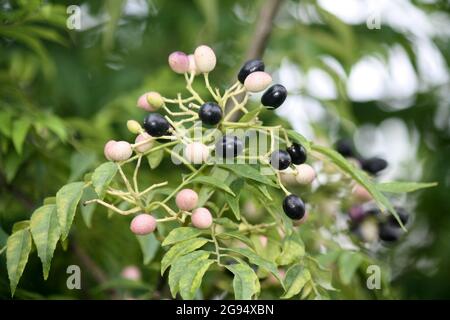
[[63, 93]]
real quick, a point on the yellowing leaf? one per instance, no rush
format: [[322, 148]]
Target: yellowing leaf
[[67, 199], [18, 249]]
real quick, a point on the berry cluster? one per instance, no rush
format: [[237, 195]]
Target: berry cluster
[[160, 128]]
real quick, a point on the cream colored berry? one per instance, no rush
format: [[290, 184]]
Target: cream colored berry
[[257, 81], [134, 126], [107, 149], [305, 174], [196, 152], [120, 151], [201, 218], [144, 136], [205, 59]]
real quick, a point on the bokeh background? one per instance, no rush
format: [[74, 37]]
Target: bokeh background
[[372, 71]]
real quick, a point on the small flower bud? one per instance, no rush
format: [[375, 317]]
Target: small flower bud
[[120, 151], [155, 100], [257, 81], [201, 218], [179, 62], [107, 148], [186, 199], [361, 193], [150, 101], [143, 224], [196, 153], [306, 174], [205, 59], [144, 136], [134, 126], [131, 273], [193, 65]]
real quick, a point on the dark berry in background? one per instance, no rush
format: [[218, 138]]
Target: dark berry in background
[[345, 148], [373, 165], [294, 207], [156, 125], [250, 67], [297, 153], [280, 159], [388, 233], [229, 147], [210, 113], [402, 214], [274, 96]]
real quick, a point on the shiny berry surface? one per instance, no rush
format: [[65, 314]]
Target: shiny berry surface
[[274, 96], [374, 165], [280, 159], [156, 125], [294, 207], [229, 147], [297, 153], [210, 113], [250, 67]]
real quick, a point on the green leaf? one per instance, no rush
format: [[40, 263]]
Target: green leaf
[[179, 249], [155, 158], [149, 246], [80, 163], [293, 250], [245, 282], [349, 262], [259, 261], [249, 172], [213, 182], [181, 234], [19, 247], [191, 279], [227, 223], [233, 202], [236, 235], [19, 133], [251, 115], [45, 231], [360, 177], [178, 268], [296, 278], [102, 177], [24, 224], [88, 210], [5, 123], [207, 191], [297, 137], [67, 199], [404, 187]]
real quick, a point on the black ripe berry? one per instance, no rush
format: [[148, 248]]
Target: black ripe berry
[[156, 125], [388, 233], [345, 148], [229, 147], [274, 96], [280, 159], [373, 165], [210, 113], [297, 153], [250, 67], [294, 207], [402, 214]]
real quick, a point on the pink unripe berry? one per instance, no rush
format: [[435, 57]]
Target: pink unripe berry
[[196, 152], [257, 81], [192, 65], [179, 62], [144, 136], [263, 240], [186, 199], [305, 174], [288, 177], [131, 273], [143, 224], [361, 193], [119, 151], [107, 148], [150, 101], [201, 218], [205, 59]]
